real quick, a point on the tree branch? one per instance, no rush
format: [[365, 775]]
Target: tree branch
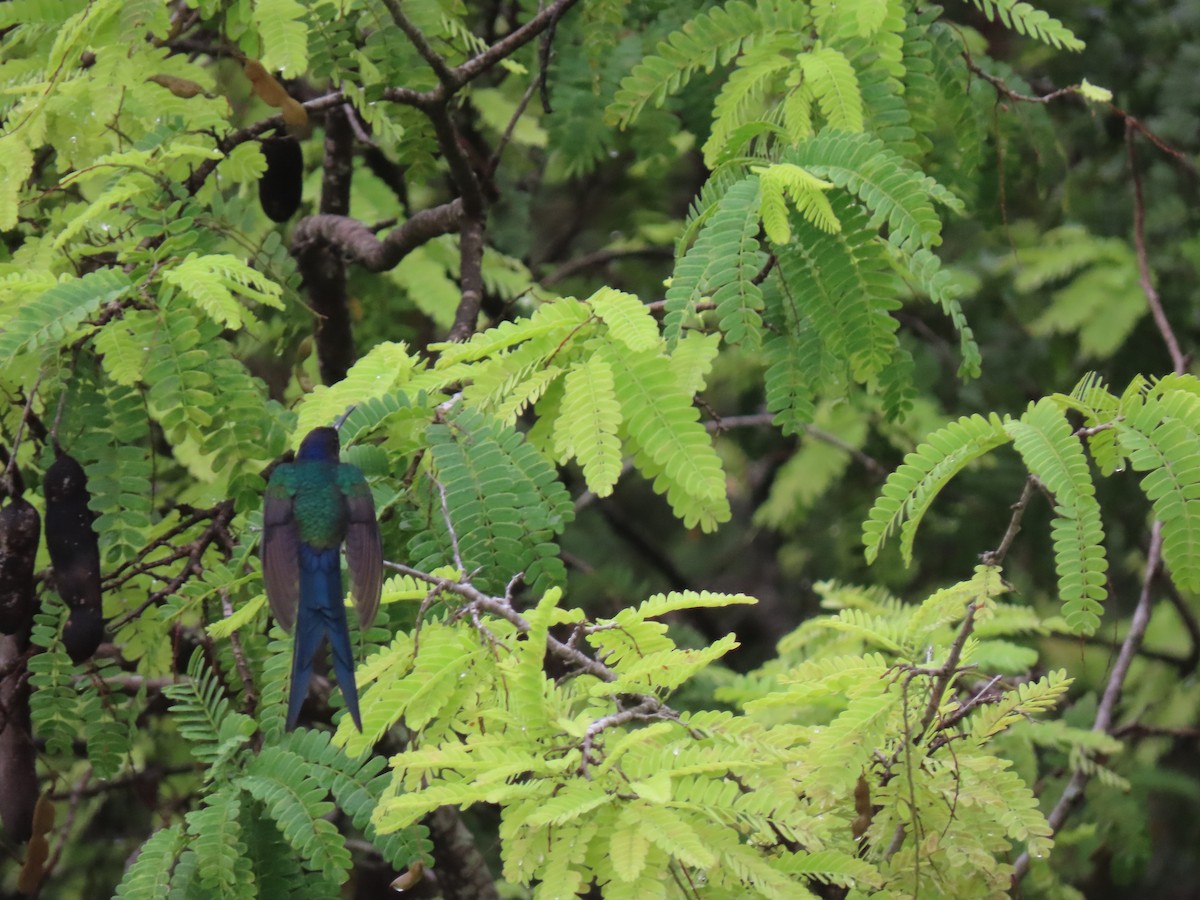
[[1178, 361], [604, 257], [323, 270], [419, 41], [356, 241], [462, 872], [1073, 792], [996, 557], [477, 65], [225, 144]]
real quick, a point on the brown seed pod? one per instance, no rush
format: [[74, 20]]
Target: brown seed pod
[[75, 555], [34, 868], [410, 878], [281, 187], [862, 805], [43, 814], [180, 87], [270, 91], [294, 113]]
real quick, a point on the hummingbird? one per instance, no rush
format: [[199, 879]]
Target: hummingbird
[[312, 507]]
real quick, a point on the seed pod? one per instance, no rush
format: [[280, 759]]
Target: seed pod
[[270, 91], [294, 113], [281, 186], [33, 870], [20, 528], [18, 758], [180, 87], [862, 805], [75, 555]]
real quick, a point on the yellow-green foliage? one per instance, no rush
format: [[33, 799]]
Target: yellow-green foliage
[[598, 781]]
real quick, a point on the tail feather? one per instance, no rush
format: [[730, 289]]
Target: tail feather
[[322, 612]]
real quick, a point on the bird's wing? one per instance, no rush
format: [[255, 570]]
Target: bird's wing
[[280, 543], [364, 547]]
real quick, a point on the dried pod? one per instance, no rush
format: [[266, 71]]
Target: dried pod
[[43, 814], [281, 186], [294, 113], [862, 806], [20, 529], [409, 879], [74, 555], [180, 87], [33, 870], [268, 89]]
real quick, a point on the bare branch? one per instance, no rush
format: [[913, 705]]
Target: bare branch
[[323, 269], [996, 557], [648, 709], [500, 607], [463, 873], [458, 560], [419, 41], [357, 242], [1073, 792], [470, 248], [225, 144], [604, 257], [477, 65], [1178, 361]]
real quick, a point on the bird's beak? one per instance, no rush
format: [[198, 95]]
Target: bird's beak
[[341, 420]]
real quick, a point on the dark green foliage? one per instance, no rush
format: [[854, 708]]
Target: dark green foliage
[[357, 786]]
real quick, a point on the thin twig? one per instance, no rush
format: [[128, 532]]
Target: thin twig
[[1102, 723], [1178, 361], [458, 560], [1143, 729], [946, 672], [1130, 120], [996, 557], [649, 708], [500, 607], [1192, 660], [511, 127], [763, 420], [603, 257], [248, 690], [419, 41], [20, 433]]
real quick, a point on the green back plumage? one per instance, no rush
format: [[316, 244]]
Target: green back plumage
[[318, 499]]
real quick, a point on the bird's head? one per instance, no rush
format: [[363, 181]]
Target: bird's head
[[320, 444]]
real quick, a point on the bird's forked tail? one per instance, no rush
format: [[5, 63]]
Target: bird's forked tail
[[321, 612]]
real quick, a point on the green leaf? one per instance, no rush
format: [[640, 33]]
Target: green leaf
[[284, 36], [627, 318], [55, 315], [911, 489], [1052, 452], [587, 425], [670, 445]]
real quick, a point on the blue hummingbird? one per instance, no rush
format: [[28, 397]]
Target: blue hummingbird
[[312, 507]]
